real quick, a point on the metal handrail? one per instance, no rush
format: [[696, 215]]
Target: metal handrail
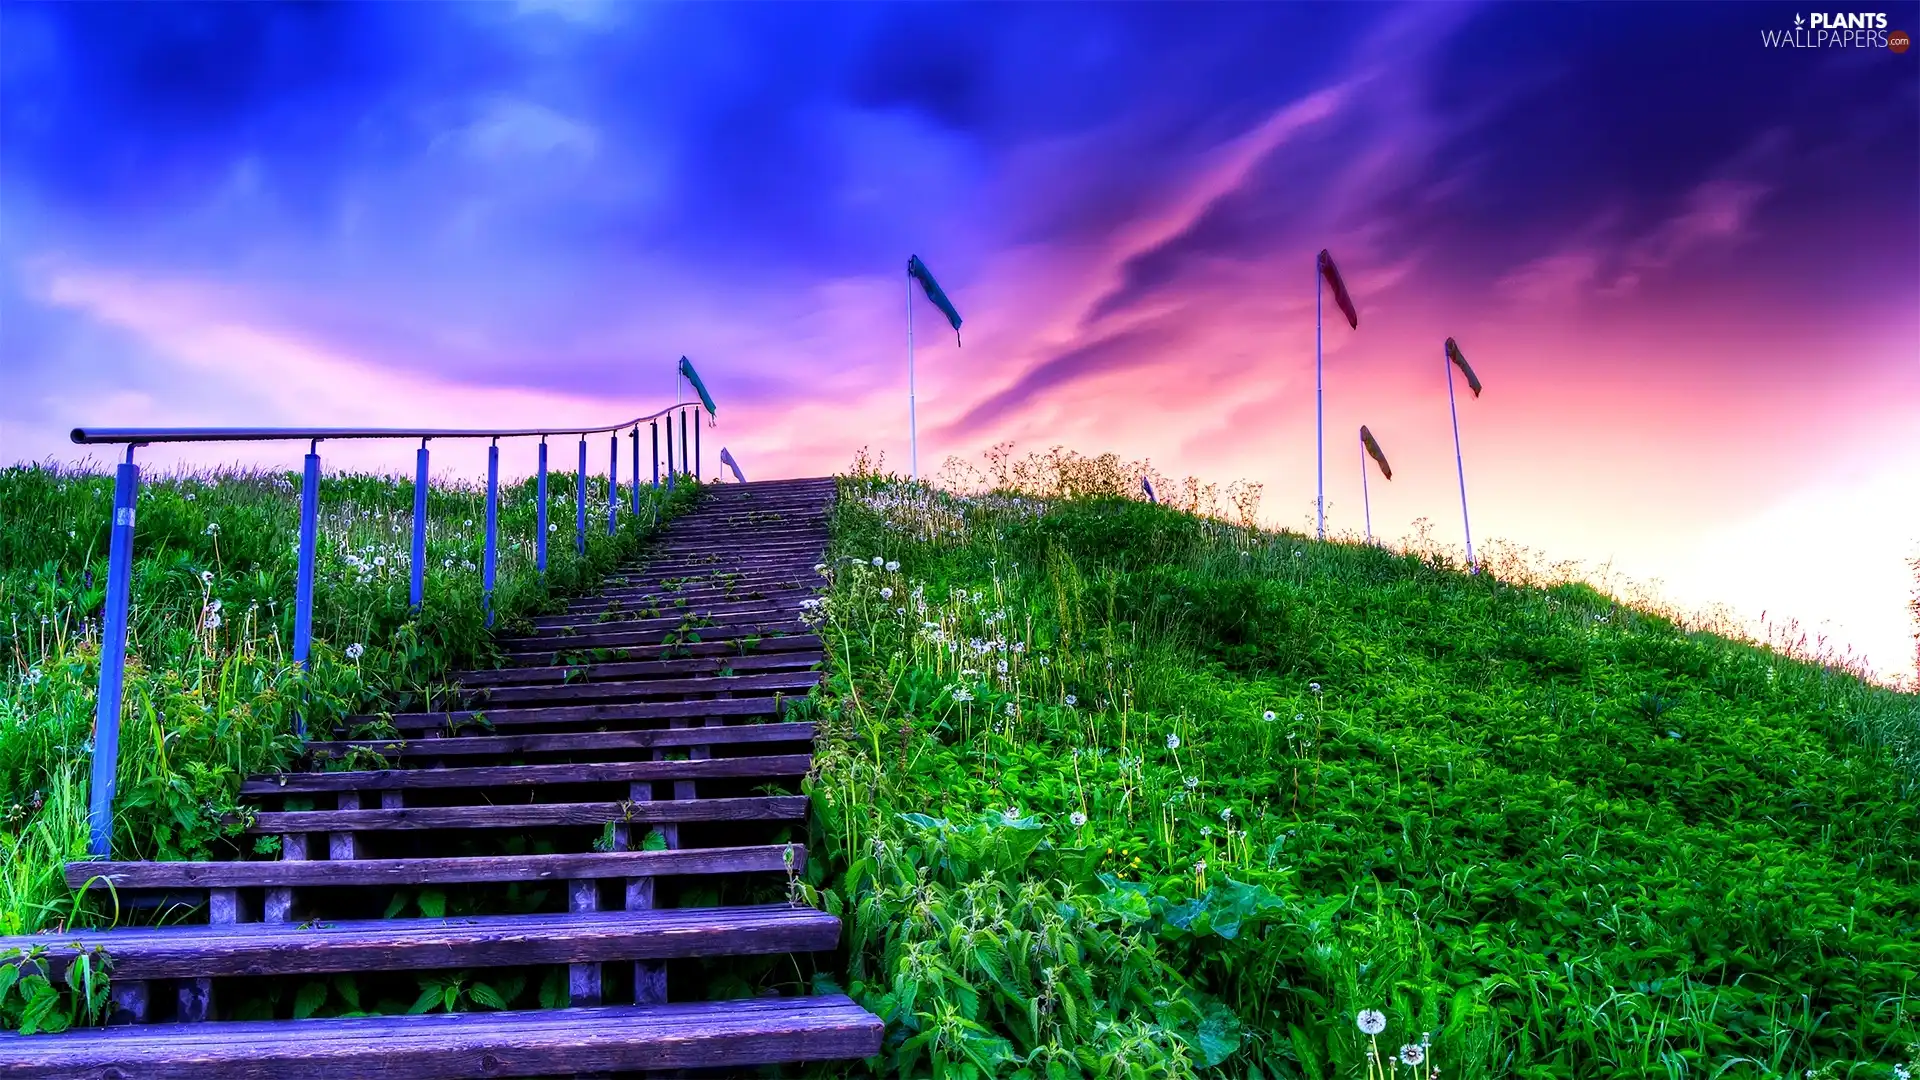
[[126, 490], [143, 436]]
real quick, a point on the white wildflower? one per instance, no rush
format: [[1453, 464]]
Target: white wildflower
[[355, 650], [1077, 819], [1011, 710], [1297, 718], [819, 568], [206, 577], [892, 566], [1371, 1021], [213, 528], [190, 496], [886, 593], [1314, 686], [1200, 867], [1072, 701], [1191, 782], [1414, 1054], [34, 676], [961, 693], [1226, 813], [1267, 716], [1012, 813], [1173, 742], [213, 620], [1003, 667], [878, 561], [379, 560]]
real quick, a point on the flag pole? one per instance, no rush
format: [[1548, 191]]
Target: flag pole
[[1455, 410], [913, 426], [1319, 410], [1366, 501]]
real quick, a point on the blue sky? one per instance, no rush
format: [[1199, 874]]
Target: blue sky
[[1687, 265]]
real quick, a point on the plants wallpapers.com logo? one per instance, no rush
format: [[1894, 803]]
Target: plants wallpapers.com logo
[[1847, 30]]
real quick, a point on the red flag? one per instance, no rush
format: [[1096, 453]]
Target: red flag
[[1460, 361], [1340, 294], [1373, 451]]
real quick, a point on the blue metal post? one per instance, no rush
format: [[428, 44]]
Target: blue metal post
[[580, 502], [696, 444], [540, 523], [1366, 500], [309, 542], [1319, 415], [613, 483], [636, 469], [656, 452], [113, 658], [418, 592], [1455, 410], [493, 527], [685, 461], [669, 453]]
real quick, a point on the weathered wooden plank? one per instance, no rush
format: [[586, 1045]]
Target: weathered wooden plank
[[643, 639], [725, 629], [793, 660], [505, 716], [443, 871], [531, 815], [708, 645], [279, 903], [320, 946], [345, 846], [521, 775], [796, 682], [583, 979], [569, 742], [776, 592], [567, 627], [128, 998], [446, 1046]]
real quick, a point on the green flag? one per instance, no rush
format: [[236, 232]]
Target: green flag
[[919, 272], [692, 376]]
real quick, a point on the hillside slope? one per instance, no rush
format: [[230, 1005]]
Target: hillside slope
[[1114, 790]]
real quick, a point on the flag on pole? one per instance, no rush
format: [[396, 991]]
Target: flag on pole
[[692, 376], [727, 460], [1460, 361], [919, 272], [1146, 485], [1339, 286], [1373, 451]]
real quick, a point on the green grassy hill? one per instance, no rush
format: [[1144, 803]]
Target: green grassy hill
[[1114, 790]]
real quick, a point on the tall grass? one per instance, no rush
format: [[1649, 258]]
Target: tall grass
[[211, 690], [1111, 789]]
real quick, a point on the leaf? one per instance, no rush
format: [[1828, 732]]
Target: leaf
[[393, 906], [486, 995], [429, 997], [553, 990], [1218, 1036], [433, 903], [308, 1001], [349, 990]]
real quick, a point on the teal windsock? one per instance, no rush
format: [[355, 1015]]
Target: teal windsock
[[692, 376], [919, 272]]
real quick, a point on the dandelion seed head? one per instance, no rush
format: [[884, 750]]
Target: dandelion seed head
[[1315, 687], [892, 566], [1267, 716], [1413, 1053], [206, 577], [1371, 1021], [886, 593], [1077, 819], [1191, 782], [1173, 742], [213, 528], [878, 561], [355, 650], [1072, 701]]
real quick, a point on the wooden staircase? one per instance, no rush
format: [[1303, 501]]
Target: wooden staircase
[[635, 745]]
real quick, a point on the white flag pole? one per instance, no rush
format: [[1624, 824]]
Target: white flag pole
[[1319, 409], [1366, 500], [913, 425], [1455, 409]]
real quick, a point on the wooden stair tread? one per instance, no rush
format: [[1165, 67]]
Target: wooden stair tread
[[793, 682], [443, 1046], [531, 815], [487, 776], [692, 665], [504, 716], [571, 742], [230, 949], [435, 871]]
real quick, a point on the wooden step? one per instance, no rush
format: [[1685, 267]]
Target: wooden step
[[791, 682], [447, 1046], [788, 595], [230, 949], [657, 617], [571, 742], [757, 858], [641, 639], [492, 776], [530, 815], [686, 650], [632, 669], [506, 717]]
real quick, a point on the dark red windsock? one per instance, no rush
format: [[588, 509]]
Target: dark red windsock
[[1339, 285]]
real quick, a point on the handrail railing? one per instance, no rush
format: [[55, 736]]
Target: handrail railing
[[126, 489]]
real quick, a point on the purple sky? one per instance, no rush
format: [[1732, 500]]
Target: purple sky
[[1686, 264]]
